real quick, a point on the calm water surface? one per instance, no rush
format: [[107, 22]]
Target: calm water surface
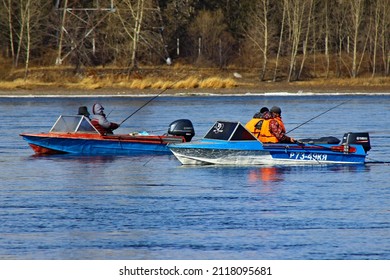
[[151, 207]]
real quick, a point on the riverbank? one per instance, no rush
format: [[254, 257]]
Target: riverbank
[[181, 81], [263, 88]]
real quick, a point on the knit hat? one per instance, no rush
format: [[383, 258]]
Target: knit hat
[[264, 109], [276, 109], [83, 111]]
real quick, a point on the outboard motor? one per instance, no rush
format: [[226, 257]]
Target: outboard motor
[[182, 127], [358, 138]]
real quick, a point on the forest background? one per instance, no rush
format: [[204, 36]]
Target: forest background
[[194, 43]]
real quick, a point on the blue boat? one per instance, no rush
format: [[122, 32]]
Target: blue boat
[[77, 135], [230, 143]]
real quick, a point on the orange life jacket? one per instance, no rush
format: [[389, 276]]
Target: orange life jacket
[[253, 127], [265, 135]]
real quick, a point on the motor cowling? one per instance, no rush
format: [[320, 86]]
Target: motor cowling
[[358, 138], [182, 127]]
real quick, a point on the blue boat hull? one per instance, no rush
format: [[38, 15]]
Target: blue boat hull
[[54, 145], [208, 151], [77, 135], [230, 143]]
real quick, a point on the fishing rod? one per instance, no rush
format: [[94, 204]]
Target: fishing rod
[[323, 113], [150, 100]]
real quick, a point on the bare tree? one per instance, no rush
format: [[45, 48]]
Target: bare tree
[[280, 39], [296, 11], [20, 35], [177, 16], [138, 13], [28, 35], [385, 34], [340, 16], [210, 29], [305, 42], [352, 35], [327, 35], [258, 31], [376, 34], [140, 31], [8, 7], [356, 9]]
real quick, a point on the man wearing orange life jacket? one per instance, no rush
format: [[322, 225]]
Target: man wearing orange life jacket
[[254, 125], [100, 121], [273, 130]]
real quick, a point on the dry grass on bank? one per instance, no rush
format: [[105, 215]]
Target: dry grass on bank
[[362, 81], [24, 84], [52, 78], [151, 83], [177, 78]]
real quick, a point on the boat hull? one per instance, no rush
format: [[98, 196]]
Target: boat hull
[[230, 143], [255, 153], [54, 143]]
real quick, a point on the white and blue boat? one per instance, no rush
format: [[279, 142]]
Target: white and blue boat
[[230, 143]]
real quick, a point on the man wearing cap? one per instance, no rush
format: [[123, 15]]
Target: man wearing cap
[[100, 121], [254, 125], [273, 130]]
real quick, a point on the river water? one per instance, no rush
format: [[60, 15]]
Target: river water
[[151, 207]]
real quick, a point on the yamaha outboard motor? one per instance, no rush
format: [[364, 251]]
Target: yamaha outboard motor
[[182, 127], [358, 138]]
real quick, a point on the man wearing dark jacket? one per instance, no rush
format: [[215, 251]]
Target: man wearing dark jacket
[[273, 130]]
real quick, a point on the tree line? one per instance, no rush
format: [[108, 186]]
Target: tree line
[[284, 39]]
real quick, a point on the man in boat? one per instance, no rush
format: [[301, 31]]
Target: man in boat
[[254, 125], [100, 121], [273, 129], [259, 115], [83, 111]]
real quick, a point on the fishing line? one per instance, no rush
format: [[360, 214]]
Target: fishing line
[[323, 113], [150, 100], [149, 160], [110, 112]]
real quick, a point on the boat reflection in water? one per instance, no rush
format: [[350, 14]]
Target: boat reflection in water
[[268, 175], [270, 178]]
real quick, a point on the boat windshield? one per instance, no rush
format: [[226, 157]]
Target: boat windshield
[[233, 131], [77, 123]]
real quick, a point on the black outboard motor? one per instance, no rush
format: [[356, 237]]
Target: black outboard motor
[[182, 127], [358, 138]]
